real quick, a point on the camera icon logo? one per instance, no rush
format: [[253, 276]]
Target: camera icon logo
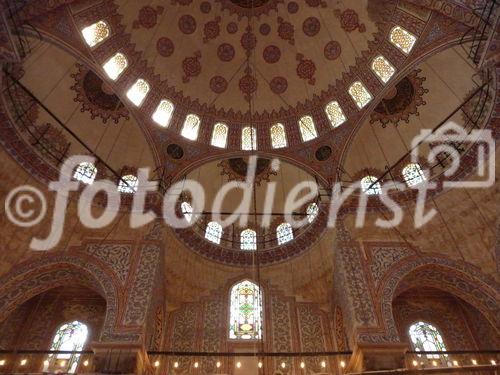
[[449, 143]]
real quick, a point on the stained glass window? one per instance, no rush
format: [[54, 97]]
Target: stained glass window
[[219, 135], [360, 94], [163, 113], [245, 322], [248, 240], [402, 39], [191, 127], [369, 187], [312, 211], [128, 184], [383, 68], [248, 138], [307, 128], [335, 114], [413, 174], [284, 233], [278, 136], [85, 172], [138, 92], [426, 338], [69, 337], [187, 211], [115, 65], [213, 232], [95, 33]]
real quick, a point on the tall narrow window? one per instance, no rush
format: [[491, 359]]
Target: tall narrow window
[[137, 93], [402, 39], [213, 232], [383, 68], [85, 172], [312, 212], [95, 33], [219, 135], [248, 240], [284, 233], [360, 94], [128, 184], [307, 128], [370, 186], [191, 127], [278, 136], [249, 138], [187, 211], [69, 337], [115, 65], [426, 338], [335, 114], [163, 113], [413, 174], [245, 321]]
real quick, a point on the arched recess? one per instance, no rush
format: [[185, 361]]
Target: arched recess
[[457, 278], [37, 276]]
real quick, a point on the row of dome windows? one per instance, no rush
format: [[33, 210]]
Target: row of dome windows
[[412, 174], [116, 65], [248, 237]]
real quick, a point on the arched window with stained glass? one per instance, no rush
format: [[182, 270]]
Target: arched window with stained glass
[[284, 233], [219, 135], [248, 240], [370, 185], [187, 211], [426, 338], [413, 174], [213, 232], [402, 39], [163, 113], [85, 172], [249, 138], [128, 184], [307, 128], [69, 337], [312, 212], [278, 136], [191, 127], [115, 66], [245, 321], [96, 33], [335, 114]]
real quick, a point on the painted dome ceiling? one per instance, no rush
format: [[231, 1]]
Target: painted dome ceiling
[[222, 53]]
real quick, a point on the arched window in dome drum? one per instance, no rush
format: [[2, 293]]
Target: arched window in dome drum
[[426, 338], [187, 211], [115, 66], [402, 39], [213, 232], [128, 184], [284, 233], [219, 135], [307, 128], [163, 113], [85, 172], [312, 212], [413, 174], [278, 136], [245, 321], [96, 33], [69, 337], [248, 240], [249, 138], [137, 93], [191, 127], [382, 68], [335, 114], [360, 94], [369, 186]]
